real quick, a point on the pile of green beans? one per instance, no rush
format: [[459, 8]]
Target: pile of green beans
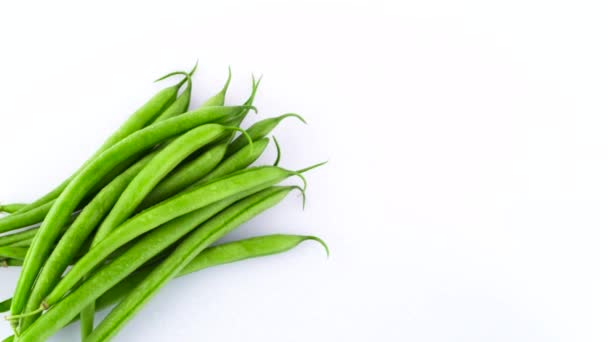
[[145, 208]]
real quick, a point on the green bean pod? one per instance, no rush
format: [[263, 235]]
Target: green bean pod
[[93, 172], [64, 311], [239, 161], [226, 253], [77, 234], [185, 176], [259, 130], [219, 98], [145, 181], [142, 117], [6, 240], [26, 218], [248, 180], [181, 104], [186, 251], [155, 171], [195, 169], [22, 243], [11, 252], [11, 208]]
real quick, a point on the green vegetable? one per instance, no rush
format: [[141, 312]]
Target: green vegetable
[[94, 171], [11, 208]]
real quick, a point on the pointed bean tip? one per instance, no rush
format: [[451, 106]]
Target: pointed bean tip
[[194, 68], [319, 240]]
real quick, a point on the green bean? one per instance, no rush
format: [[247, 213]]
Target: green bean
[[29, 216], [25, 219], [219, 98], [143, 116], [238, 161], [76, 235], [11, 208], [12, 252], [154, 172], [91, 174], [185, 176], [197, 168], [10, 262], [214, 256], [247, 180], [181, 104], [5, 305], [22, 243], [259, 130], [146, 180], [108, 276], [187, 250], [229, 252], [9, 239]]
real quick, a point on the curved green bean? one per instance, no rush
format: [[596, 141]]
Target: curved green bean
[[186, 251], [225, 253], [108, 276], [185, 176], [248, 180], [236, 162], [91, 174], [197, 168], [76, 235], [142, 117], [221, 254], [154, 172], [259, 130], [146, 180], [219, 98]]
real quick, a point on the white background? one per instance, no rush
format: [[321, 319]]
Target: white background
[[466, 198]]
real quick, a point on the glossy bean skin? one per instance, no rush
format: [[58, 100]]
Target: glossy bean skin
[[108, 276], [259, 130], [144, 182], [185, 176], [185, 252], [155, 171], [195, 169], [253, 179], [76, 235], [143, 116], [11, 208], [94, 171]]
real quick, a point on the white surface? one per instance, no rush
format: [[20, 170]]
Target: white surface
[[466, 197]]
